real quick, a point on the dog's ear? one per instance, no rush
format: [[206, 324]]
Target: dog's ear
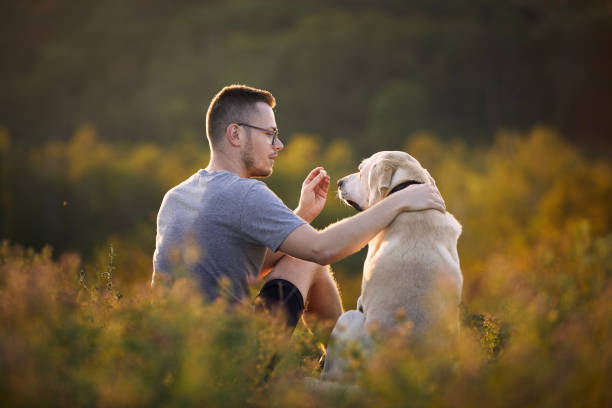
[[379, 180]]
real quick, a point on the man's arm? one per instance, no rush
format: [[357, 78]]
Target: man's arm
[[351, 234]]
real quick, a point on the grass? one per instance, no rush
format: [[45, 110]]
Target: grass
[[72, 343], [536, 255]]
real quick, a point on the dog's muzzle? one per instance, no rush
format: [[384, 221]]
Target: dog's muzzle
[[349, 202]]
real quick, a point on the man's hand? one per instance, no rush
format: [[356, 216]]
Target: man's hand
[[419, 197], [314, 194]]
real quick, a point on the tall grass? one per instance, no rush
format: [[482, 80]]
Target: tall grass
[[537, 261]]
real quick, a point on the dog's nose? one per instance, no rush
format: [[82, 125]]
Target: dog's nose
[[340, 182]]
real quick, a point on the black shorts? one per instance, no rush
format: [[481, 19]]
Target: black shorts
[[280, 294]]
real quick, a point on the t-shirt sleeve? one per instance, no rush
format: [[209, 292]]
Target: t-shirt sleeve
[[265, 219]]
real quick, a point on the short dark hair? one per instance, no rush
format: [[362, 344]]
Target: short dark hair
[[230, 105]]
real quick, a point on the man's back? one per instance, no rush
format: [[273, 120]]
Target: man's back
[[215, 225]]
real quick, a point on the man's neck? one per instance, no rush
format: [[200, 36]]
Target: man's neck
[[220, 161]]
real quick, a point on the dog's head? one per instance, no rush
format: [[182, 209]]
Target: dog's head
[[379, 175]]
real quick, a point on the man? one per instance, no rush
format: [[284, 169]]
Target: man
[[221, 225]]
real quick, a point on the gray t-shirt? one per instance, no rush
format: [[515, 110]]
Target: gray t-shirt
[[217, 225]]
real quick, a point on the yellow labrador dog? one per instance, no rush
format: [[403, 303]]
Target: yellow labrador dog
[[411, 272]]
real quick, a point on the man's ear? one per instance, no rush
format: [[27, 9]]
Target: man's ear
[[379, 181], [232, 134]]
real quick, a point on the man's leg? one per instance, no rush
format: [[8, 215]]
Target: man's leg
[[315, 284]]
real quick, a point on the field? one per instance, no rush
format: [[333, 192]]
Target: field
[[536, 255]]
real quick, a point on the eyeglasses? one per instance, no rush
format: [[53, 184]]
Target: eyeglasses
[[270, 132]]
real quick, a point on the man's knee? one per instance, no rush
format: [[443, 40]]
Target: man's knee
[[282, 296]]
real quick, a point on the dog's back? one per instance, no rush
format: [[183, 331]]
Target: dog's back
[[412, 272]]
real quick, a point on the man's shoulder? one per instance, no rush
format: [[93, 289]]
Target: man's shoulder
[[218, 183], [232, 183]]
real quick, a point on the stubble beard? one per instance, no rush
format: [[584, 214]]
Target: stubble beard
[[249, 161]]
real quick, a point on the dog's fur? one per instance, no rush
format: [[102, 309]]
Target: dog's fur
[[411, 272]]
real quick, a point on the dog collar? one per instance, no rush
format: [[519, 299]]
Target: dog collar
[[402, 186], [354, 205], [395, 189]]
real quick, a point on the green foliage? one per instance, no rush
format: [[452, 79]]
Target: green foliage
[[146, 71], [76, 194], [102, 113], [69, 345], [536, 254], [400, 109], [103, 102], [65, 344]]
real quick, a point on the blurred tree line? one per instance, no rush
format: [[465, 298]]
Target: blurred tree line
[[103, 102], [369, 72]]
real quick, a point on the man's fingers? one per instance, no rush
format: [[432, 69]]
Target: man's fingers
[[438, 204], [441, 206], [433, 198], [317, 179], [438, 201], [323, 186], [435, 191], [324, 182], [313, 173]]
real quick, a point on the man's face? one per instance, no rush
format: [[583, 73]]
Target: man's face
[[258, 153]]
